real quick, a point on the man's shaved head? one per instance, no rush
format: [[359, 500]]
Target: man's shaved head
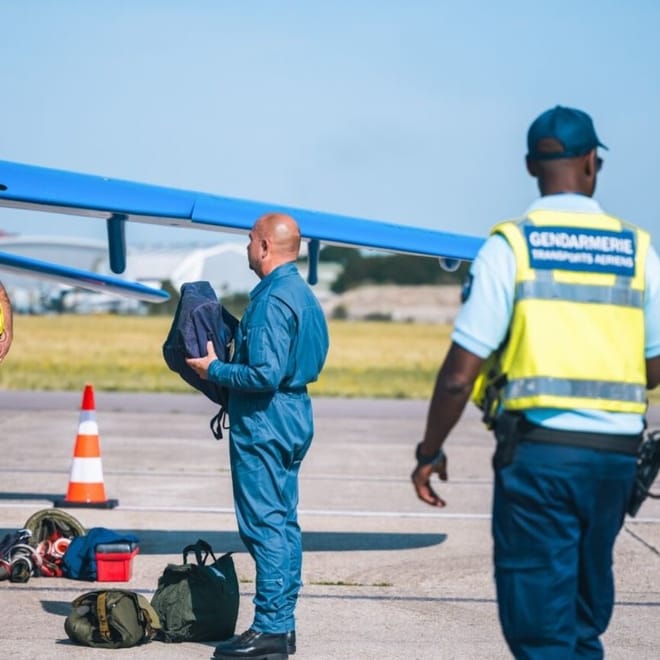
[[274, 240], [282, 230]]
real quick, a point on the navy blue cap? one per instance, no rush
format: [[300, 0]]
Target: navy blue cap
[[571, 129]]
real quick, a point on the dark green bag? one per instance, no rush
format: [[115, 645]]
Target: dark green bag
[[112, 619], [198, 602]]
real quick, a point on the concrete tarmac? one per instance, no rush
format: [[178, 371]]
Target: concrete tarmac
[[385, 575]]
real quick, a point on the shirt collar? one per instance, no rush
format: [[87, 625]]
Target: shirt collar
[[566, 202], [278, 273]]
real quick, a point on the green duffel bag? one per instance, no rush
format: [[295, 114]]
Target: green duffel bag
[[198, 602], [112, 619]]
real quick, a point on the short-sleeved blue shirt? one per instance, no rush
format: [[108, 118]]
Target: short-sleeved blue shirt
[[482, 323]]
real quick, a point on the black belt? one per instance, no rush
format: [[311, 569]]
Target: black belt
[[622, 444], [293, 390]]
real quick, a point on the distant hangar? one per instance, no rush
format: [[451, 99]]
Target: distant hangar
[[224, 265]]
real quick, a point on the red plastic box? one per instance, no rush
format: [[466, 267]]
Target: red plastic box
[[112, 566]]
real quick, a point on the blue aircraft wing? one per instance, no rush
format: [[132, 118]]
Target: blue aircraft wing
[[117, 201], [80, 278]]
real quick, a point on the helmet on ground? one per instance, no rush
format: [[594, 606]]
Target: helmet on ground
[[51, 524]]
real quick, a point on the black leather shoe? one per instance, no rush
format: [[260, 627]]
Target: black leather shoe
[[291, 642], [253, 644]]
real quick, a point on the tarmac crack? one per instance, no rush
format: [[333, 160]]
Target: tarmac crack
[[645, 543]]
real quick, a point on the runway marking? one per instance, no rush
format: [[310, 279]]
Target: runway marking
[[350, 513], [340, 513], [327, 513], [225, 472], [314, 512], [392, 514]]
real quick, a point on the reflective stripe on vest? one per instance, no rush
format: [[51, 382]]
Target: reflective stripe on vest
[[616, 295], [583, 389]]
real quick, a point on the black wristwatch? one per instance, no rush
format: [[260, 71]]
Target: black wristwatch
[[428, 460]]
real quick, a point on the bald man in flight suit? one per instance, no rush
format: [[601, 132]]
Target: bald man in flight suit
[[280, 346], [557, 340]]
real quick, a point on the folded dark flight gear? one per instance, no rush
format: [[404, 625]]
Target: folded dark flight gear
[[200, 317]]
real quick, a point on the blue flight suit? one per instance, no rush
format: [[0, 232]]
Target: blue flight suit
[[280, 346], [557, 510]]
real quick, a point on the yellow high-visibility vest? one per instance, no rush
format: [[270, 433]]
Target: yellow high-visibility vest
[[576, 338]]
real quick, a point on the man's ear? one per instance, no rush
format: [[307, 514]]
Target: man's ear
[[532, 167], [590, 163]]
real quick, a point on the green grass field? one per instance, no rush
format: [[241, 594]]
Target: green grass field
[[123, 353]]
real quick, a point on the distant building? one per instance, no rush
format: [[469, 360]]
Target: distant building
[[224, 265], [34, 294]]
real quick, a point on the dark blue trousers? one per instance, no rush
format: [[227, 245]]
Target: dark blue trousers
[[557, 511]]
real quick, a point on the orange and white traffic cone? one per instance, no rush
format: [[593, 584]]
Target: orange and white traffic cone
[[86, 488]]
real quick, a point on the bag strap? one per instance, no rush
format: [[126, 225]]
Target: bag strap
[[102, 614], [200, 546], [218, 422], [148, 615]]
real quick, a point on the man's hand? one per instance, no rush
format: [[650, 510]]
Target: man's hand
[[421, 478], [201, 365]]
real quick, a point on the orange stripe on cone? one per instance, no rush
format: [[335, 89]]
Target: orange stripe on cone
[[86, 487], [87, 446]]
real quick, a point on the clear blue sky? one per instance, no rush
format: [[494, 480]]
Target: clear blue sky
[[412, 111]]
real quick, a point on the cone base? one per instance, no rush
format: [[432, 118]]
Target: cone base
[[63, 503]]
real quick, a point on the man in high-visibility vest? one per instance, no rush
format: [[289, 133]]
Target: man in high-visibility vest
[[557, 341]]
